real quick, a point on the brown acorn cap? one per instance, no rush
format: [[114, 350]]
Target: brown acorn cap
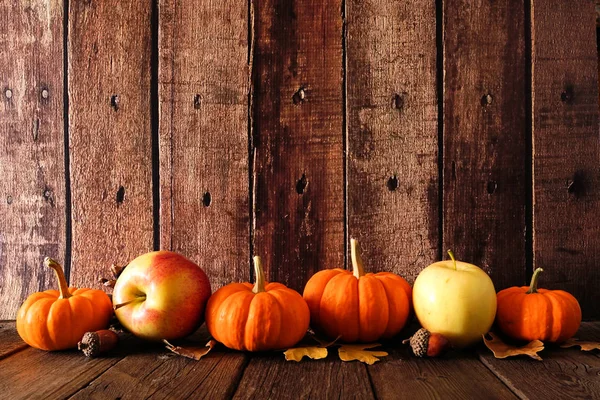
[[90, 344], [419, 342]]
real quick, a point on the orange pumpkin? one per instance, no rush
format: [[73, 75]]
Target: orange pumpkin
[[57, 319], [265, 316], [355, 306], [528, 313]]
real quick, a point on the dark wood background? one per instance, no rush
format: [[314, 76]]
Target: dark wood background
[[281, 128]]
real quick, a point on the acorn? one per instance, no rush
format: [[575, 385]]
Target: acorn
[[96, 343], [425, 343]]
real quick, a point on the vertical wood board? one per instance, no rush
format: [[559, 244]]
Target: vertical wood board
[[32, 165], [203, 92]]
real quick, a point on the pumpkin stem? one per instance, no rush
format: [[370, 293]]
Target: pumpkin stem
[[358, 269], [534, 281], [451, 254], [63, 287], [259, 275]]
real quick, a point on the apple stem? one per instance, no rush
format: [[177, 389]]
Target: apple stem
[[358, 269], [534, 281], [259, 276], [63, 287], [451, 254], [117, 306]]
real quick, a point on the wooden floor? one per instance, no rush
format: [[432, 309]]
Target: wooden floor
[[139, 371]]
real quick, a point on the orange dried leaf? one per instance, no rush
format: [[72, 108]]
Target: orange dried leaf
[[503, 350], [359, 352], [298, 353], [193, 352], [585, 346]]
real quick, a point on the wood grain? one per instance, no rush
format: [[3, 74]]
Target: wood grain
[[203, 92], [109, 134], [270, 376], [297, 138], [392, 133], [566, 149], [10, 341], [455, 376], [37, 374], [484, 136], [563, 373], [161, 376], [32, 166]]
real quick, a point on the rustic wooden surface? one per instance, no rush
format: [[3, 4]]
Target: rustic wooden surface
[[484, 136], [203, 92], [566, 149], [297, 138], [32, 165], [10, 342], [109, 135], [392, 113], [137, 370]]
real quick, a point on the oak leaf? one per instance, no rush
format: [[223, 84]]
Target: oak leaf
[[503, 350], [298, 353], [193, 352], [585, 345], [351, 352]]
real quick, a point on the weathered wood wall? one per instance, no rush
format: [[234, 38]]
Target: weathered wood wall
[[282, 128]]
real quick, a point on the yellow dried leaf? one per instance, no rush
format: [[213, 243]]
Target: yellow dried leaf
[[351, 352], [503, 350], [585, 346], [193, 352], [298, 353]]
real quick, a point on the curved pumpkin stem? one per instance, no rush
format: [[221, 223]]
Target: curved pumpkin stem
[[259, 275], [451, 254], [534, 281], [358, 269], [63, 287]]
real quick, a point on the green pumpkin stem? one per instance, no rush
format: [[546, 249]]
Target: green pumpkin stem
[[451, 254], [358, 269], [63, 287], [259, 275], [534, 281]]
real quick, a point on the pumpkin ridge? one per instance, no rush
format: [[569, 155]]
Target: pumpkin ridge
[[390, 329], [371, 291]]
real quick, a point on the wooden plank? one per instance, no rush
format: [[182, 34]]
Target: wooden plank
[[37, 374], [203, 92], [566, 149], [455, 376], [32, 167], [109, 134], [160, 376], [392, 133], [484, 136], [563, 374], [297, 138], [10, 341], [270, 376]]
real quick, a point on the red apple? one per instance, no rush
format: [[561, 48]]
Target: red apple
[[161, 295]]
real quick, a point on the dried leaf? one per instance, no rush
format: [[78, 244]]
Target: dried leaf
[[193, 352], [351, 352], [297, 353], [585, 346], [503, 350]]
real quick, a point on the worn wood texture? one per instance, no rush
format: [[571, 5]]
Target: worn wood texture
[[392, 133], [270, 376], [37, 374], [109, 134], [203, 92], [10, 342], [566, 149], [32, 166], [563, 373], [484, 136], [158, 375], [297, 138], [455, 376]]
